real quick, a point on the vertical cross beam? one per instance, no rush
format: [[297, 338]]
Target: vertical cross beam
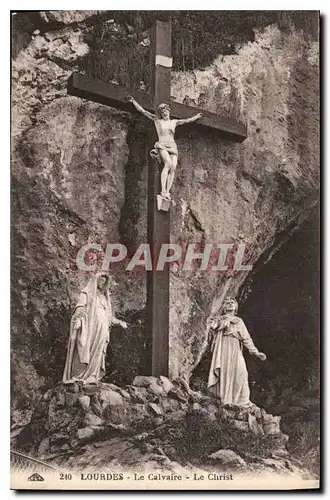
[[158, 221]]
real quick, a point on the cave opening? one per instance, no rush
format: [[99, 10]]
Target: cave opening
[[281, 312], [282, 315]]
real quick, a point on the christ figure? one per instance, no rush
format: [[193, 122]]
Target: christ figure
[[165, 149]]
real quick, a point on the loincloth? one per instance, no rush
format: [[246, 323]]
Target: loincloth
[[158, 146]]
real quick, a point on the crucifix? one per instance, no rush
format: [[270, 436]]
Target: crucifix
[[158, 207]]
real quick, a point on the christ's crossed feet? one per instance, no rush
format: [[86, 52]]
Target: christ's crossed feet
[[166, 195]]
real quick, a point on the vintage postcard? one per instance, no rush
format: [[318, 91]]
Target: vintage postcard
[[165, 250]]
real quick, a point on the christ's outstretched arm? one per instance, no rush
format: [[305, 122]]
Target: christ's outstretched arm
[[139, 108], [183, 121]]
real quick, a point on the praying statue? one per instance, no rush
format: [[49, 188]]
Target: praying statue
[[89, 332], [228, 376], [165, 149]]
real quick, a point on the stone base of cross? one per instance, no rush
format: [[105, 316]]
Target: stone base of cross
[[158, 207]]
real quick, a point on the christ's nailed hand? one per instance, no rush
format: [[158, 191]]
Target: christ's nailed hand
[[262, 356], [130, 98]]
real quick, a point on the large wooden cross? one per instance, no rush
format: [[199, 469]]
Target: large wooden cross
[[158, 221]]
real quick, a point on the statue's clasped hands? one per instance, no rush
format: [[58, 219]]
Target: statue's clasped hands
[[77, 323], [211, 323]]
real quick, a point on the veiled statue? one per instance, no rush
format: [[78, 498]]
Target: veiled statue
[[228, 376], [90, 332]]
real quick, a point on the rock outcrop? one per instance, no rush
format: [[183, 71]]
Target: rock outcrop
[[79, 174], [153, 424], [257, 192]]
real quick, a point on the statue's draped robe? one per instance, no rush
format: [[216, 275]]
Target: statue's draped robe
[[88, 343], [228, 376]]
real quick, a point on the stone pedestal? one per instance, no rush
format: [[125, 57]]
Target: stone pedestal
[[163, 204]]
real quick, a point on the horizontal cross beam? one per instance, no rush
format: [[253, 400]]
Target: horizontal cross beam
[[114, 95]]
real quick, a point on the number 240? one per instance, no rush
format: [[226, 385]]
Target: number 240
[[65, 477]]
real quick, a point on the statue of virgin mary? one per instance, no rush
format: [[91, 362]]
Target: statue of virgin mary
[[90, 331]]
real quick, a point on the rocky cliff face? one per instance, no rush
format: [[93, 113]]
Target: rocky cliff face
[[256, 192], [79, 174]]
